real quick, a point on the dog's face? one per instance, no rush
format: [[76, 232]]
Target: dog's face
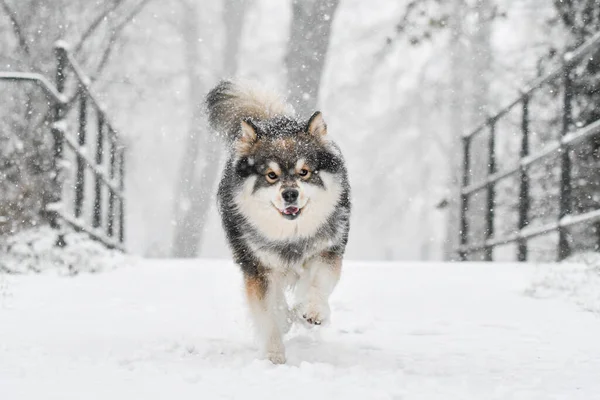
[[291, 176]]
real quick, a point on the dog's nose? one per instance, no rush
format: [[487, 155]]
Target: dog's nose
[[290, 195]]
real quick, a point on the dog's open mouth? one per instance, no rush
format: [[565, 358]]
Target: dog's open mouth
[[291, 212]]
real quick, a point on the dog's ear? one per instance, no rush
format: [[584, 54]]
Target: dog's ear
[[249, 131], [248, 136], [316, 125]]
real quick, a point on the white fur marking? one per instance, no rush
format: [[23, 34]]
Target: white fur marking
[[272, 319], [313, 290], [262, 208]]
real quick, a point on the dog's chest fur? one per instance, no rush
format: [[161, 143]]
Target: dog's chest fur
[[288, 255]]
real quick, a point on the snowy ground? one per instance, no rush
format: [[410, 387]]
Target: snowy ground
[[178, 330]]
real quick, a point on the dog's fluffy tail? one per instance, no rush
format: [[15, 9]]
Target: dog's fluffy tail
[[229, 103]]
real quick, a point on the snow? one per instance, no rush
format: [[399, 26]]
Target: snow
[[35, 250], [577, 280], [178, 329]]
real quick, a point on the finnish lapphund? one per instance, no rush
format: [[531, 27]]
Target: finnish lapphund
[[284, 200]]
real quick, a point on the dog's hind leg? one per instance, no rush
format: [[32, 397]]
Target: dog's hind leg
[[264, 295], [320, 277]]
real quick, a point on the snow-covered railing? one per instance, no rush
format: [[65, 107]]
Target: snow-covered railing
[[107, 165], [570, 136]]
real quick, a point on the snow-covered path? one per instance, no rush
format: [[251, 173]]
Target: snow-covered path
[[178, 330]]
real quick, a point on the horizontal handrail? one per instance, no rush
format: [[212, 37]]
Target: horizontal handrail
[[51, 91], [567, 141], [96, 234], [534, 231], [40, 80], [569, 59]]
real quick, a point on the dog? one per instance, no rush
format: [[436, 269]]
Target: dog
[[284, 201]]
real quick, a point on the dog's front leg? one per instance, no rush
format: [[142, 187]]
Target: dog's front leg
[[264, 294], [320, 277]]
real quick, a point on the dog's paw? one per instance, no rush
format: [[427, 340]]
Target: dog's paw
[[314, 314], [276, 357], [274, 350]]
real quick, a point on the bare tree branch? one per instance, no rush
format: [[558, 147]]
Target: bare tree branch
[[114, 35], [18, 31], [95, 24]]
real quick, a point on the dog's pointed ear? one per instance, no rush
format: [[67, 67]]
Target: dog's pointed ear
[[248, 132], [316, 125], [247, 138]]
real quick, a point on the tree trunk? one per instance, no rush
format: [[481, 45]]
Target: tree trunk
[[481, 54], [307, 49], [196, 189], [457, 57], [233, 18], [184, 244], [482, 63]]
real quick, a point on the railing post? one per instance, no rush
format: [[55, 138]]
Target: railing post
[[80, 180], [58, 128], [524, 179], [464, 198], [565, 167], [122, 195], [97, 220], [111, 196], [491, 190]]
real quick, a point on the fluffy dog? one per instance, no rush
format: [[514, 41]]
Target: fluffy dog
[[284, 201]]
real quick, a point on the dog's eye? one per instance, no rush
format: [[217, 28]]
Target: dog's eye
[[272, 177], [304, 173]]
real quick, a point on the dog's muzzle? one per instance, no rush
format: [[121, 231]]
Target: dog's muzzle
[[291, 210]]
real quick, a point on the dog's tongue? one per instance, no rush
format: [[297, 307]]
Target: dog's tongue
[[291, 210]]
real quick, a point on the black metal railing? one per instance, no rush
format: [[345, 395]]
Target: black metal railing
[[561, 147], [103, 218]]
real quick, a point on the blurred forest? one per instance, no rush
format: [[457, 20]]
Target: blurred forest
[[398, 82]]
